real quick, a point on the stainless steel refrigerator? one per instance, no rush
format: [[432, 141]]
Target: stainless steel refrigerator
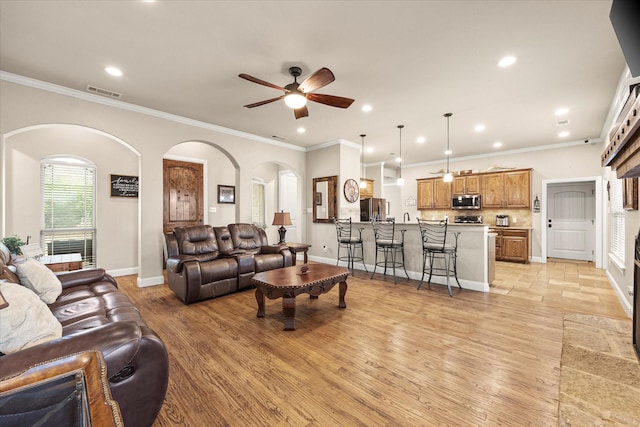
[[371, 209]]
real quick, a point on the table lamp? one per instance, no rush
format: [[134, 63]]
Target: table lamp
[[282, 218]]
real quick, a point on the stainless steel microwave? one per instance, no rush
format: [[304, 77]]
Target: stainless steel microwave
[[465, 202]]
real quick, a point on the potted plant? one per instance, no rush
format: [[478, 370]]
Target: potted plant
[[13, 243]]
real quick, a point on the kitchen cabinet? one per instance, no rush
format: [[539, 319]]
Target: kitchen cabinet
[[469, 184], [507, 189], [434, 193], [512, 244], [367, 191]]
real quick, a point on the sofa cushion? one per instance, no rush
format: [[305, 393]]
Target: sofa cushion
[[26, 320], [37, 277], [245, 236]]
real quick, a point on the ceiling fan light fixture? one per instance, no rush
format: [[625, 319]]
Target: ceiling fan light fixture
[[295, 100], [448, 177]]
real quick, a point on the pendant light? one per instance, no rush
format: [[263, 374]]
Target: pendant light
[[448, 176], [362, 183], [400, 178]]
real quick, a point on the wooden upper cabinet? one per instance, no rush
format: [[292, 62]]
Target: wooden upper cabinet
[[367, 192], [507, 189], [434, 193], [466, 184]]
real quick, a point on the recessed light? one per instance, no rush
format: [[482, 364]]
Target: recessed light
[[366, 108], [369, 149], [301, 130], [114, 71], [398, 159], [447, 153], [561, 111], [507, 61], [421, 139], [564, 134], [479, 127], [497, 144]]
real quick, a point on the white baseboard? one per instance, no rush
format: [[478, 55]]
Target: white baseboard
[[150, 281], [123, 271], [626, 305]]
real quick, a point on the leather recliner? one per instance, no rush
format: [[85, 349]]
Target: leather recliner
[[95, 315], [253, 240], [196, 269]]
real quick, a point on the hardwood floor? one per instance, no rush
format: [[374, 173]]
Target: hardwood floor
[[396, 356]]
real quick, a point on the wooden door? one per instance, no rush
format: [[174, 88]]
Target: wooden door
[[425, 194], [517, 189], [183, 195], [442, 194], [492, 190]]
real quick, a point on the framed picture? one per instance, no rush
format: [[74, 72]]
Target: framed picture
[[630, 194], [318, 198], [226, 194]]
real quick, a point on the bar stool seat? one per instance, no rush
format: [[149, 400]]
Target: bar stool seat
[[390, 245], [435, 246], [350, 240]]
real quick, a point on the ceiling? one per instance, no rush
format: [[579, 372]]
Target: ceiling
[[412, 61]]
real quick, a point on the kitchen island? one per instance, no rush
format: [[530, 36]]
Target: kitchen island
[[473, 253]]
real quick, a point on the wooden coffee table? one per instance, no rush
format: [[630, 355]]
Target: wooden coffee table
[[287, 283]]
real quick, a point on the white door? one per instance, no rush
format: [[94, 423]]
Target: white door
[[571, 221]]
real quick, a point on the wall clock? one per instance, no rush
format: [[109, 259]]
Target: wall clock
[[351, 190]]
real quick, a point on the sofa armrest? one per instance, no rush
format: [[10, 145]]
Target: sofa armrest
[[85, 277], [175, 263], [118, 342], [273, 249]]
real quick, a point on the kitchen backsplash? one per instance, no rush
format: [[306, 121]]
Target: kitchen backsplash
[[517, 217]]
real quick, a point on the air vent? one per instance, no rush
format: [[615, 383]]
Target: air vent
[[103, 92], [562, 122], [281, 138]]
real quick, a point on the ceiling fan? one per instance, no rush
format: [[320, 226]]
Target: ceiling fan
[[296, 94]]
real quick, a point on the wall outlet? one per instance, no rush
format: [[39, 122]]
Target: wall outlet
[[515, 220]]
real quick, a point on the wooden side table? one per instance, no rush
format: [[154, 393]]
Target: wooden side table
[[65, 262], [298, 247]]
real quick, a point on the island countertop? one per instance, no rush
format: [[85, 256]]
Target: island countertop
[[473, 253]]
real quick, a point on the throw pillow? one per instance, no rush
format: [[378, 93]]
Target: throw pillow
[[37, 277], [26, 320]]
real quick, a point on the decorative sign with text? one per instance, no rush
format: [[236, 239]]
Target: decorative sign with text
[[124, 186]]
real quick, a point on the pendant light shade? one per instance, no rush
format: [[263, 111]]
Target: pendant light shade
[[448, 176], [400, 179], [362, 183]]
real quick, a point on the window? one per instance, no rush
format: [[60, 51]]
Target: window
[[258, 204], [67, 188], [617, 221]]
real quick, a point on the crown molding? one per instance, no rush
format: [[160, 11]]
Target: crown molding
[[114, 103]]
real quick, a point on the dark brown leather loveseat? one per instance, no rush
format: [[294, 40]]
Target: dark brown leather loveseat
[[205, 262], [95, 315]]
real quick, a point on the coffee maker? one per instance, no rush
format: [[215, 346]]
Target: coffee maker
[[502, 220]]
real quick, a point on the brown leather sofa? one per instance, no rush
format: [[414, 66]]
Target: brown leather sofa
[[205, 262], [95, 315]]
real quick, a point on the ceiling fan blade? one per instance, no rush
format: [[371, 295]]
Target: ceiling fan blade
[[334, 101], [301, 112], [260, 82], [319, 79], [257, 104]]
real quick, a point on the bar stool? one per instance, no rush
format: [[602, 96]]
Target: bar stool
[[434, 245], [389, 244], [349, 240]]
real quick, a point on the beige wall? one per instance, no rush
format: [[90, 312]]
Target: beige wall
[[152, 134]]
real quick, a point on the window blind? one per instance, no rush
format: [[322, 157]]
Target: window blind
[[616, 246], [68, 209]]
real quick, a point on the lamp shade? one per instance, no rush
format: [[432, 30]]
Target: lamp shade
[[282, 218]]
